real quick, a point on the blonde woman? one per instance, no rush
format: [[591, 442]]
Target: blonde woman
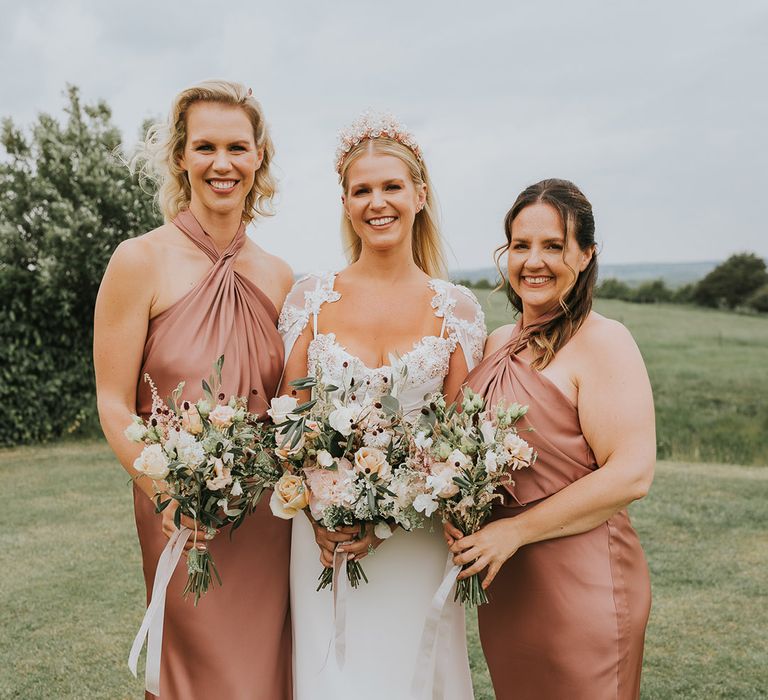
[[388, 309], [171, 302]]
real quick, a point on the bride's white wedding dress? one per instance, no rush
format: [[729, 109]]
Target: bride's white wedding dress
[[385, 617]]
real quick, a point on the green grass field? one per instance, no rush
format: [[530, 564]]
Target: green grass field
[[709, 371], [73, 593]]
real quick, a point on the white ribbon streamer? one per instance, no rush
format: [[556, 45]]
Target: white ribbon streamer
[[152, 625], [340, 589], [434, 633]]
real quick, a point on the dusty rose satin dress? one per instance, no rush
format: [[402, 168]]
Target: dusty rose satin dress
[[236, 644], [566, 617]]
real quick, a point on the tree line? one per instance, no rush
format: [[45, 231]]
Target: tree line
[[66, 201], [741, 282]]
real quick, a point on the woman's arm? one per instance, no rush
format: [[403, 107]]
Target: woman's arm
[[121, 319], [616, 413], [120, 330]]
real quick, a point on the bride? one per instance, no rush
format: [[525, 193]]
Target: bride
[[388, 309]]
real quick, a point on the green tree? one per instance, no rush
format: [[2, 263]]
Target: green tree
[[731, 283], [652, 292], [758, 300], [613, 288], [65, 203]]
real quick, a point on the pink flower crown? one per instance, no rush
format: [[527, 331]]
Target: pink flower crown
[[373, 126]]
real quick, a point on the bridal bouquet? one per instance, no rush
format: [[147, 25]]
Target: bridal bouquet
[[211, 458], [344, 452], [466, 456]]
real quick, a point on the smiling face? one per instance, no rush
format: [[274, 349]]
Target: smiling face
[[541, 264], [220, 157], [381, 200]]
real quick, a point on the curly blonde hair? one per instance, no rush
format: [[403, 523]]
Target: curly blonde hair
[[426, 243], [157, 159]]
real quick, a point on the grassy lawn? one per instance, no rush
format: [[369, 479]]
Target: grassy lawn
[[709, 374], [73, 593]]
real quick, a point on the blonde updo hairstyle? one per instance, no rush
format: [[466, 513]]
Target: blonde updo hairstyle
[[426, 242], [157, 159]]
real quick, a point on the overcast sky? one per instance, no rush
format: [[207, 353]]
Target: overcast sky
[[657, 110]]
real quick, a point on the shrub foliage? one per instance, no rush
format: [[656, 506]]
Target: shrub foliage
[[65, 203]]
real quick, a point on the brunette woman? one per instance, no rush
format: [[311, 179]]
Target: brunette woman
[[569, 586]]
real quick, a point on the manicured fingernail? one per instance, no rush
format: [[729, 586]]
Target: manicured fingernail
[[201, 547], [350, 557]]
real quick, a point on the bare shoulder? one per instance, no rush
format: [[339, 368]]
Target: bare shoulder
[[139, 254], [498, 338], [602, 341], [273, 275]]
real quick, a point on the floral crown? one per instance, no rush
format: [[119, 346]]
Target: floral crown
[[373, 126]]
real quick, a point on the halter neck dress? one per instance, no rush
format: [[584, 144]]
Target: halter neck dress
[[567, 616], [236, 643]]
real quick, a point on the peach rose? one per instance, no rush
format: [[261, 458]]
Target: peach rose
[[222, 416], [289, 496], [370, 461]]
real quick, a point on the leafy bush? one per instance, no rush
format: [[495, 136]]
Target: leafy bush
[[613, 288], [65, 203], [652, 292], [731, 283]]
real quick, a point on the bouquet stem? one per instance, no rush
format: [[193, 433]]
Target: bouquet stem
[[201, 573], [469, 591], [355, 574]]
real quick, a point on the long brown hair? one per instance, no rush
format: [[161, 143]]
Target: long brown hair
[[556, 328]]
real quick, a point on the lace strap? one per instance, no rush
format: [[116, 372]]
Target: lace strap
[[304, 300], [463, 318]]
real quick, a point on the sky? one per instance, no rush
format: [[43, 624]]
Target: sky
[[657, 110]]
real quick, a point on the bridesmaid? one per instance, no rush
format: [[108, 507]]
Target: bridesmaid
[[171, 302], [571, 593]]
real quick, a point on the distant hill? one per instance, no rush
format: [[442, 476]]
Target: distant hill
[[674, 274]]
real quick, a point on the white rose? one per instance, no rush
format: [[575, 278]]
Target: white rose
[[421, 441], [236, 490], [188, 450], [153, 462], [425, 503], [136, 431], [488, 431], [441, 480], [324, 459], [222, 416], [281, 407]]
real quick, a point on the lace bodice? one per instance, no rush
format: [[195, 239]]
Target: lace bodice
[[426, 362]]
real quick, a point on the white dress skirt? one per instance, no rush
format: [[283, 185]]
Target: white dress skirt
[[384, 617]]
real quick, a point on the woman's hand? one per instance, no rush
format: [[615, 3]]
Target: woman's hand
[[489, 547], [451, 533], [169, 527], [328, 540], [360, 547]]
